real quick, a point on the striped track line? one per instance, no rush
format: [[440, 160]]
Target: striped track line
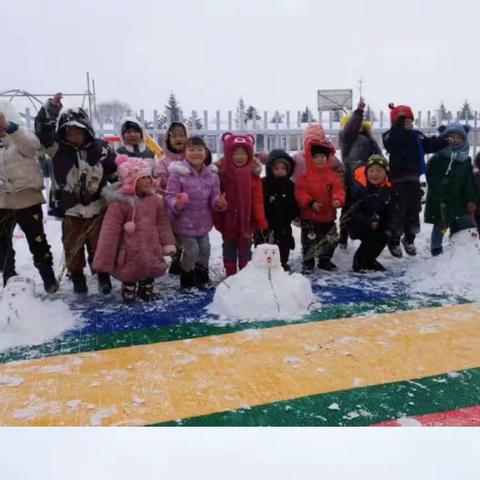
[[183, 379]]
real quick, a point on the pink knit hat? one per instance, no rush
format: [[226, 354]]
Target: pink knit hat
[[130, 170]]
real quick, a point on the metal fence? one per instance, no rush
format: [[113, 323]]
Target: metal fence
[[277, 129]]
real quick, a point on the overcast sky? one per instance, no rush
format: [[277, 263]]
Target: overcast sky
[[240, 454], [275, 53]]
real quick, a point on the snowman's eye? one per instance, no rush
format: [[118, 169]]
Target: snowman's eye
[[474, 235]]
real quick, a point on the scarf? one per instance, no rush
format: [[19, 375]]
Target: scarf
[[238, 190]]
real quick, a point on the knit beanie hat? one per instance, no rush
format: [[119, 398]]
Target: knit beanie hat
[[456, 128], [400, 110], [379, 160], [130, 170], [319, 149], [129, 125]]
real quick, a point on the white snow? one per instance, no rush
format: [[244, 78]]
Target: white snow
[[334, 406], [97, 418], [10, 381], [455, 272], [26, 319], [263, 290], [408, 422]]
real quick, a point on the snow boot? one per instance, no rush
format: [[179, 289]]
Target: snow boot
[[187, 279], [230, 268], [327, 265], [129, 292], [376, 266], [436, 251], [145, 290], [343, 239], [79, 283], [50, 283], [104, 283], [409, 247], [175, 266], [395, 250], [202, 278], [308, 266]]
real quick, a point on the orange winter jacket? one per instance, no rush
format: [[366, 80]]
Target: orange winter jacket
[[321, 185]]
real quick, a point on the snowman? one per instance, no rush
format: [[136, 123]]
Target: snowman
[[17, 295], [464, 239], [263, 290], [456, 271]]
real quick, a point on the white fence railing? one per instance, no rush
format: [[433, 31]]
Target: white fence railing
[[277, 129]]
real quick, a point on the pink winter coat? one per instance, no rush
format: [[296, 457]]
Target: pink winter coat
[[135, 256]]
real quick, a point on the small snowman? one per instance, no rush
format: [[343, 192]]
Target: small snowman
[[455, 272], [19, 292], [464, 238], [263, 290]]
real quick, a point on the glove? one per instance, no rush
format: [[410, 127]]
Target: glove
[[169, 250], [53, 106], [181, 201]]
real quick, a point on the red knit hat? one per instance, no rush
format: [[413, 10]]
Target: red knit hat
[[400, 110]]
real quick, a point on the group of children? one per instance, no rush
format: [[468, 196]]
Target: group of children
[[129, 210]]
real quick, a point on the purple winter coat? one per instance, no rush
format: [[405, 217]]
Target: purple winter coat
[[203, 190], [135, 256]]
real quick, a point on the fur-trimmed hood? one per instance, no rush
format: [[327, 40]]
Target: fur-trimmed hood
[[183, 168], [113, 193]]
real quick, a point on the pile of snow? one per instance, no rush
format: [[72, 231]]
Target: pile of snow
[[263, 290], [26, 319], [455, 272]]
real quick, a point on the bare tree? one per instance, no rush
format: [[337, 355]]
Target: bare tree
[[112, 111]]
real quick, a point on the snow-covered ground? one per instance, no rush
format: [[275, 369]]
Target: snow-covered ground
[[44, 319]]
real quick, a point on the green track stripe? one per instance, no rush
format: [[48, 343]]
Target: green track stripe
[[357, 407]]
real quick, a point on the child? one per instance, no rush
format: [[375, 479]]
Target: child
[[451, 188], [175, 142], [407, 148], [21, 198], [374, 218], [357, 145], [314, 133], [319, 192], [240, 181], [136, 232], [193, 191], [279, 200], [133, 140], [82, 164]]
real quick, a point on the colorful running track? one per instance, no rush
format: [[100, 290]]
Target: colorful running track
[[373, 354]]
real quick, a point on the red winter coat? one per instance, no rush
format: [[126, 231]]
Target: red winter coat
[[134, 256], [258, 220], [321, 185]]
